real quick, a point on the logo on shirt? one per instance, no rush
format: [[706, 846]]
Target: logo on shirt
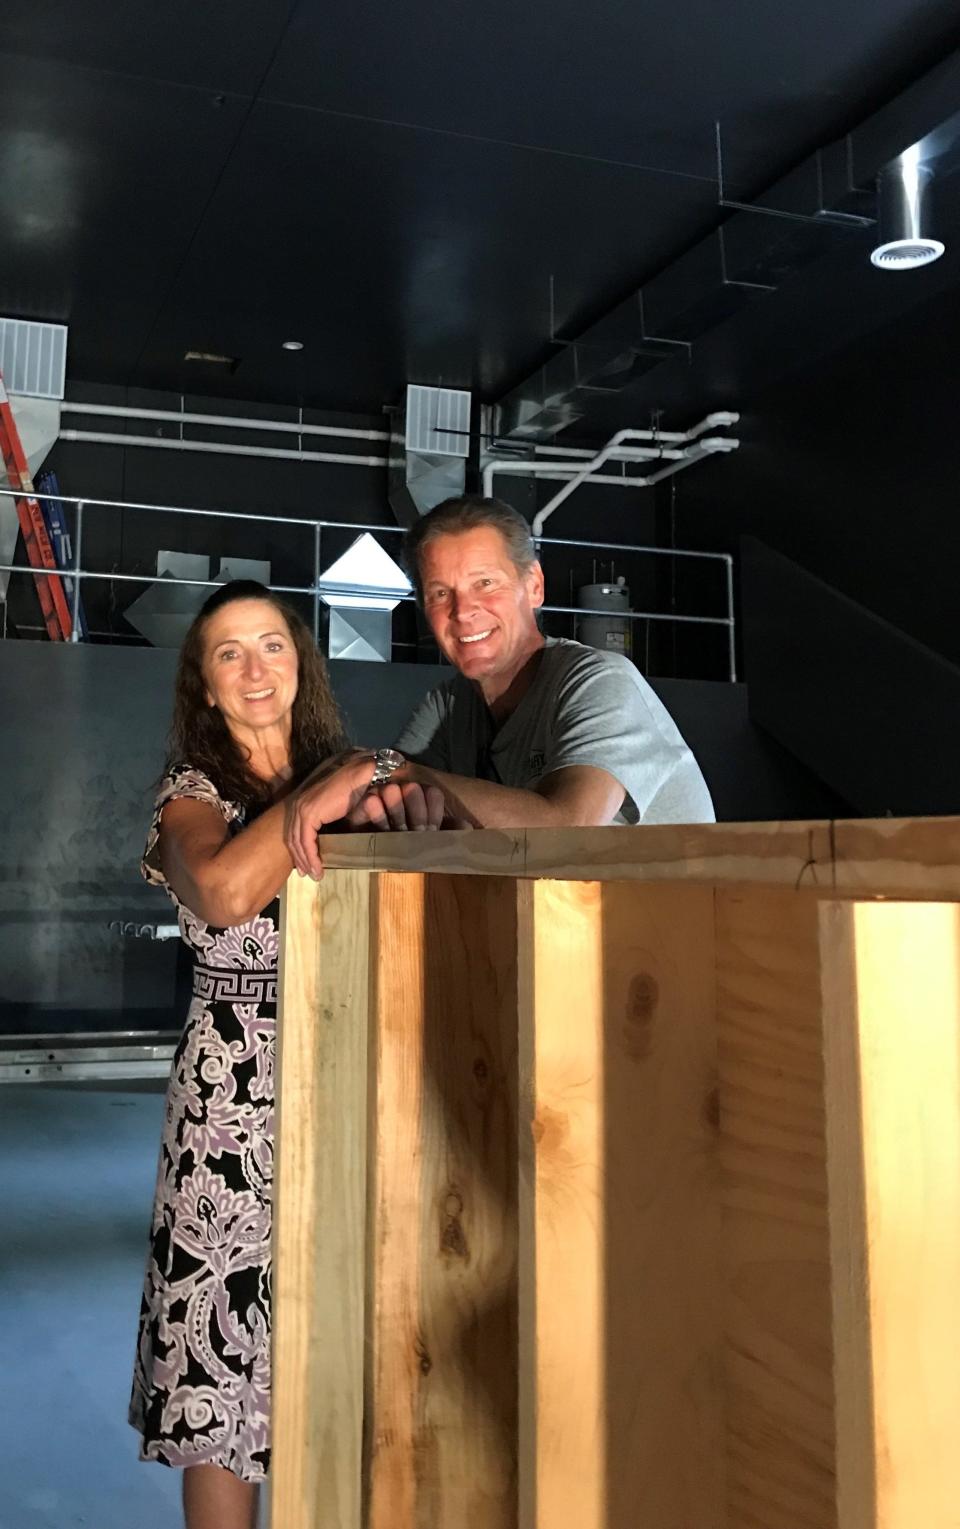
[[535, 762]]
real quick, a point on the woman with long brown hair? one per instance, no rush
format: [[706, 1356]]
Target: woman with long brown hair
[[254, 717]]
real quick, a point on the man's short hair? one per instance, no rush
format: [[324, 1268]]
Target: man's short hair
[[468, 512]]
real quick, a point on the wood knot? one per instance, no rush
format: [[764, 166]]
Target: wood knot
[[482, 1080], [711, 1108], [550, 1129], [642, 998], [452, 1237]]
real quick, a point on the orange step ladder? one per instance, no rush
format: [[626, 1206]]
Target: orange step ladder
[[40, 554]]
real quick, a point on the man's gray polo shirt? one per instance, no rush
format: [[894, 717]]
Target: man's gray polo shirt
[[585, 707]]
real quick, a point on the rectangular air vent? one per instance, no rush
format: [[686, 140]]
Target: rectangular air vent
[[33, 358], [438, 421]]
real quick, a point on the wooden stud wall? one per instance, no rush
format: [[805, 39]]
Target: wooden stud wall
[[320, 1233], [442, 1329], [579, 1179], [777, 1347]]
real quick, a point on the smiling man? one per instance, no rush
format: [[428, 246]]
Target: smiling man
[[531, 731]]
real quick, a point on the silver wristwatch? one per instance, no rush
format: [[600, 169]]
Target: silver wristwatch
[[385, 761]]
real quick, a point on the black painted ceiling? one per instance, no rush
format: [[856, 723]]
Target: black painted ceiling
[[400, 187]]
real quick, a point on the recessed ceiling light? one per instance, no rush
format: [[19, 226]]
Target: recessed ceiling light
[[906, 254], [293, 345], [905, 214]]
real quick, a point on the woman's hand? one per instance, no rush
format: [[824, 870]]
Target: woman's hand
[[326, 796]]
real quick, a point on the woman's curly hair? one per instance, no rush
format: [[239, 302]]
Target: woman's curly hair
[[199, 736]]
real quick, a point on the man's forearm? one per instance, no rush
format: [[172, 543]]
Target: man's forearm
[[487, 805]]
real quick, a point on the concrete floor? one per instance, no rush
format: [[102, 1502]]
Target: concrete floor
[[75, 1191]]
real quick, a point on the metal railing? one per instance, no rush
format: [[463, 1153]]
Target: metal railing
[[77, 573]]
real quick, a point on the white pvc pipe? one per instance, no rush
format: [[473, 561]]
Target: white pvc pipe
[[584, 473], [673, 437], [610, 449], [162, 443], [227, 421], [559, 471], [701, 449]]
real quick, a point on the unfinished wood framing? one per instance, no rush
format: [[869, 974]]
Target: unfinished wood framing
[[892, 995], [627, 1200]]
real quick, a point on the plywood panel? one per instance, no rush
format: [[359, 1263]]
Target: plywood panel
[[620, 1392], [443, 1325], [319, 1209], [892, 1011], [776, 1258]]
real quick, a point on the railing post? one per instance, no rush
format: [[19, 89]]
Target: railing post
[[316, 581], [77, 575], [731, 620]]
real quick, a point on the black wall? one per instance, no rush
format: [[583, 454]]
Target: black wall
[[851, 468], [871, 711]]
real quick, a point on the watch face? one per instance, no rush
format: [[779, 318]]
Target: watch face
[[385, 762]]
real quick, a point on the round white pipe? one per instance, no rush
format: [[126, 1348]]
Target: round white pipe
[[701, 449], [562, 472], [589, 468], [673, 437], [227, 421], [585, 472], [104, 438]]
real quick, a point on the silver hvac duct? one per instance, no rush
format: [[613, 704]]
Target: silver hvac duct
[[430, 443], [904, 205]]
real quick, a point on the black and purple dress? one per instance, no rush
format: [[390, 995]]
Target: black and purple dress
[[201, 1388]]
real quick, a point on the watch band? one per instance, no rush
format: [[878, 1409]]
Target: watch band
[[385, 762]]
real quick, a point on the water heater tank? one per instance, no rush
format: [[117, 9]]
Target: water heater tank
[[610, 632]]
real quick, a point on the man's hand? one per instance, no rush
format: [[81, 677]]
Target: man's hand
[[339, 791], [397, 806]]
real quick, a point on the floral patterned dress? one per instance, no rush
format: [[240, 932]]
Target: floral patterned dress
[[201, 1387]]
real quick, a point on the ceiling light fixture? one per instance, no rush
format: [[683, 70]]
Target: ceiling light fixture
[[293, 345], [212, 358], [902, 188]]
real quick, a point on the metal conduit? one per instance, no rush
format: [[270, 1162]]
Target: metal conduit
[[221, 448], [226, 421]]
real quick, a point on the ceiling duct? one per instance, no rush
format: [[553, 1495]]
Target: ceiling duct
[[828, 198], [164, 613], [429, 447], [362, 588]]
